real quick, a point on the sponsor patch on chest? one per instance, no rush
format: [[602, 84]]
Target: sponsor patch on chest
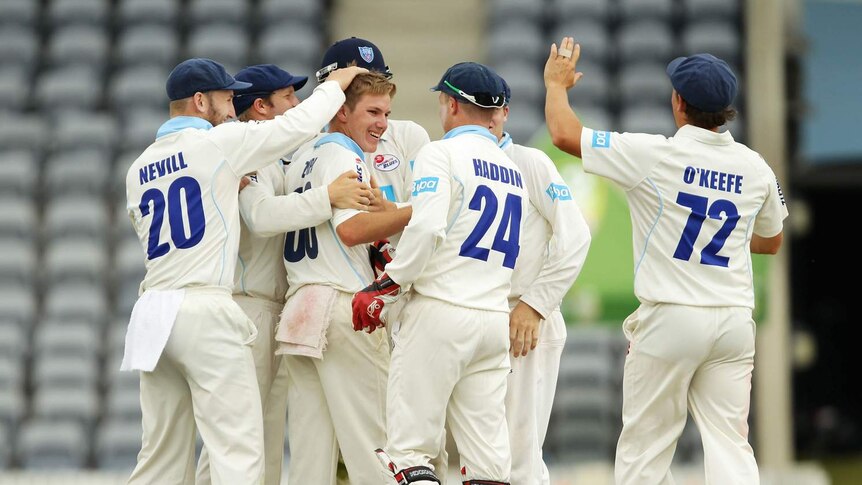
[[386, 162]]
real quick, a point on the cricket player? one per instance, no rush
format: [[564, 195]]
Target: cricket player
[[700, 203], [450, 356], [186, 334], [336, 400], [260, 280], [558, 239]]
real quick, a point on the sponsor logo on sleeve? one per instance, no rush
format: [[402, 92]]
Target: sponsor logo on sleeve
[[601, 139], [559, 191], [425, 184], [386, 162], [780, 192]]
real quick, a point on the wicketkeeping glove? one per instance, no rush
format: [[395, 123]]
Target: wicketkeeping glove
[[370, 302], [380, 254]]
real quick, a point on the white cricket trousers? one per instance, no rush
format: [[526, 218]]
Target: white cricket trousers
[[264, 314], [529, 399], [449, 364], [338, 403], [204, 380], [683, 358]]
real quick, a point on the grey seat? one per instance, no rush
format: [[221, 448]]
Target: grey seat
[[139, 87], [279, 12], [5, 446], [202, 12], [17, 304], [139, 130], [76, 258], [79, 45], [516, 40], [76, 300], [23, 131], [157, 12], [75, 215], [66, 338], [123, 228], [710, 9], [19, 47], [16, 87], [72, 88], [121, 381], [127, 295], [11, 368], [598, 11], [595, 117], [85, 130], [11, 406], [655, 119], [526, 12], [645, 83], [718, 38], [227, 43], [124, 403], [524, 121], [74, 404], [148, 44], [661, 10], [17, 262], [129, 261], [291, 47], [52, 445], [596, 46], [83, 171], [19, 13], [524, 80], [643, 41], [65, 372], [18, 218], [115, 343], [62, 12], [118, 443], [595, 88]]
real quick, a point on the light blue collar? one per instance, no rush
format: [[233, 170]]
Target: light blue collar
[[343, 140], [471, 129], [178, 123], [505, 141]]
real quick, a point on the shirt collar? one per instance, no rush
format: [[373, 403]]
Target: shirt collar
[[343, 140], [470, 129], [506, 141], [705, 136], [178, 123]]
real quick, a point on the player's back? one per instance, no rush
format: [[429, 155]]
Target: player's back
[[473, 266]]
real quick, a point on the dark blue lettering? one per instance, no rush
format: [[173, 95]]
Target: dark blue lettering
[[477, 167]]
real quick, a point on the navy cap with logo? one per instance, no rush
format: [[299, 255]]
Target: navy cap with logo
[[199, 75], [347, 51], [704, 81], [264, 79], [474, 83]]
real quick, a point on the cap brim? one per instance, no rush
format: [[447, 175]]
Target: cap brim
[[298, 82], [672, 65], [237, 85]]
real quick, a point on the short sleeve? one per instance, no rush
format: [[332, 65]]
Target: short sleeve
[[624, 158]]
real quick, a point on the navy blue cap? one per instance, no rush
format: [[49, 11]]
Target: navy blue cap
[[475, 83], [347, 51], [704, 81], [199, 75], [507, 91], [264, 79]]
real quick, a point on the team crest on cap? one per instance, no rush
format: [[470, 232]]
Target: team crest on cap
[[367, 53]]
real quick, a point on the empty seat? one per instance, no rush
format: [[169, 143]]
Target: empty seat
[[201, 12], [121, 381], [11, 406], [139, 130], [720, 39], [524, 80], [20, 131], [516, 40], [148, 44], [524, 121], [52, 445], [68, 88], [63, 12], [596, 46], [644, 84], [710, 9], [16, 88], [115, 343], [5, 446], [655, 119], [79, 45], [127, 295], [597, 11], [75, 404], [140, 87], [66, 338], [76, 300], [118, 443], [12, 344], [17, 219], [18, 171], [18, 47], [76, 258], [129, 261], [65, 372], [17, 262], [17, 304], [124, 403], [279, 12], [224, 42], [645, 41], [84, 171], [97, 131], [595, 88], [18, 13], [159, 12], [661, 10], [291, 47], [526, 12], [75, 215]]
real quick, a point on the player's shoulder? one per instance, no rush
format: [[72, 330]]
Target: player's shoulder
[[529, 153], [405, 128]]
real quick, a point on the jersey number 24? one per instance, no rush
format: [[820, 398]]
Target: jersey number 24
[[510, 222], [183, 187], [700, 209]]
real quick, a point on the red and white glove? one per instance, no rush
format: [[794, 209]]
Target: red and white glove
[[380, 253], [370, 302]]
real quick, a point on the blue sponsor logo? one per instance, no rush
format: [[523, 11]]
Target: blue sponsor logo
[[601, 139], [558, 191], [425, 184]]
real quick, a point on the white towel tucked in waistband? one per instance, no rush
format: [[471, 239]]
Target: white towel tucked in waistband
[[149, 328], [304, 320]]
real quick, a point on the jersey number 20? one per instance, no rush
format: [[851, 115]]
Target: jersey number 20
[[511, 222], [301, 243], [182, 187], [700, 209]]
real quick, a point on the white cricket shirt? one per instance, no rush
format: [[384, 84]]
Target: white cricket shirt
[[695, 200], [462, 241]]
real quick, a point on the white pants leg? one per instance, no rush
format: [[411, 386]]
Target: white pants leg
[[449, 362], [208, 364], [529, 399], [352, 379], [264, 314]]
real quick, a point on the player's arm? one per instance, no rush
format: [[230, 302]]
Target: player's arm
[[766, 245], [366, 227], [563, 124], [769, 223]]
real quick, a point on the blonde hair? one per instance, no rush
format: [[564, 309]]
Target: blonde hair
[[368, 83]]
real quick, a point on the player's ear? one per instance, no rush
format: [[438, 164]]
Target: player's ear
[[341, 114], [201, 102], [259, 106]]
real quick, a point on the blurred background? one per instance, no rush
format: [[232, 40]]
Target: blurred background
[[83, 84]]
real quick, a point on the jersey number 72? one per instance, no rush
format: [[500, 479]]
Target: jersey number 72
[[700, 209]]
